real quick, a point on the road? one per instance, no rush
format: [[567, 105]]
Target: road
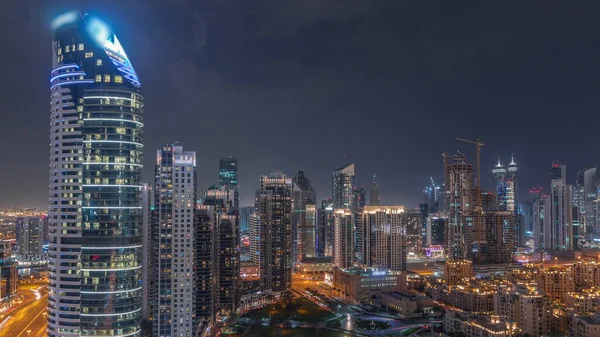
[[29, 316]]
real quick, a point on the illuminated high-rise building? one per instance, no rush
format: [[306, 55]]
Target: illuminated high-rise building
[[303, 229], [385, 237], [499, 173], [413, 231], [173, 242], [325, 232], [500, 237], [539, 205], [275, 211], [343, 187], [95, 215], [460, 200], [590, 210], [255, 230], [558, 211], [228, 176], [310, 242], [375, 198], [204, 289], [359, 204], [226, 249], [343, 246], [29, 236]]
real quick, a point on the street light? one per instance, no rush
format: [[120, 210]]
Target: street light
[[28, 332]]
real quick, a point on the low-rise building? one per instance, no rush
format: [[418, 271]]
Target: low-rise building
[[586, 273], [456, 323], [456, 271], [583, 301], [366, 285], [408, 305], [555, 282], [525, 306], [585, 326], [468, 298], [315, 265]]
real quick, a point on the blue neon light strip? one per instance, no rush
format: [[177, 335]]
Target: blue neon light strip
[[84, 81], [74, 73], [66, 66]]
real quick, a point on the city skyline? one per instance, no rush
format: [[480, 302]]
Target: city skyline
[[401, 118], [399, 75]]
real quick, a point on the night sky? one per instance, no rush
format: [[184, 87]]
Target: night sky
[[312, 85]]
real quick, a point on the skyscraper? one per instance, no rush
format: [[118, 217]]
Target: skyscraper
[[512, 187], [310, 246], [459, 184], [226, 249], [173, 242], [29, 236], [326, 226], [275, 211], [375, 199], [343, 247], [244, 218], [539, 212], [432, 197], [96, 156], [590, 200], [343, 187], [228, 176], [255, 238], [359, 203], [303, 194], [500, 236], [506, 188], [385, 237], [360, 198], [499, 173], [558, 211], [146, 197], [413, 232], [579, 199], [203, 228]]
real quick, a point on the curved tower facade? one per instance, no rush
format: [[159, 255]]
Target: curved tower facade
[[95, 213]]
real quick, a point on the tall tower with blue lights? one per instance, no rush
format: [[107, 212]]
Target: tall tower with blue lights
[[95, 215]]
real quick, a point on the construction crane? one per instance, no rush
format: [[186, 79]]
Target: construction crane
[[478, 144]]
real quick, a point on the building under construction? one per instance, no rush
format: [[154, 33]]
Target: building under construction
[[460, 203], [477, 229]]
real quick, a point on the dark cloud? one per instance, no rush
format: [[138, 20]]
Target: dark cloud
[[314, 84]]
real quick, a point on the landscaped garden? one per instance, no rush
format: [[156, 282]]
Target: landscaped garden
[[300, 310]]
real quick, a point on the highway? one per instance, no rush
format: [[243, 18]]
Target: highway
[[30, 316]]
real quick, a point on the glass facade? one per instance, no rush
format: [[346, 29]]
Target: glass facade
[[228, 176], [95, 216]]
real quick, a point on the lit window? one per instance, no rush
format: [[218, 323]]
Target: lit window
[[67, 48], [89, 54], [80, 108], [98, 62], [106, 78], [80, 46], [59, 51], [73, 47], [118, 79], [98, 78], [121, 131]]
